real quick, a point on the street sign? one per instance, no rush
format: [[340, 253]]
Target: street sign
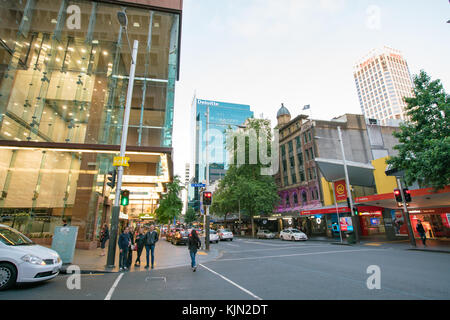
[[198, 185], [121, 162]]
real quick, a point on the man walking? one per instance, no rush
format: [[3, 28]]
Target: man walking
[[420, 229], [151, 237], [124, 246]]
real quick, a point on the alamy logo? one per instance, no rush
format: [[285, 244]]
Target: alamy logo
[[374, 281], [73, 21]]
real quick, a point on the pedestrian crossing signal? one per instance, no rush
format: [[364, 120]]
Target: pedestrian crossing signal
[[124, 197]]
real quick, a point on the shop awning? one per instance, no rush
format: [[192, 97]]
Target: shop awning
[[421, 198], [359, 174]]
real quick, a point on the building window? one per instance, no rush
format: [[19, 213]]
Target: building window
[[304, 197], [295, 199]]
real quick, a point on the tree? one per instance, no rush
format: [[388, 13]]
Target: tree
[[170, 204], [424, 141], [191, 216], [245, 184]]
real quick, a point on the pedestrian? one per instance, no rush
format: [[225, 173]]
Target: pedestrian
[[104, 236], [132, 247], [124, 246], [194, 244], [151, 237], [420, 229], [140, 238], [64, 223]]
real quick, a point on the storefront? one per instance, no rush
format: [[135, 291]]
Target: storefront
[[323, 222], [436, 222], [371, 221]]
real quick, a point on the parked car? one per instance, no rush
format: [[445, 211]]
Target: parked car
[[213, 236], [265, 234], [292, 234], [21, 260], [225, 234], [180, 236]]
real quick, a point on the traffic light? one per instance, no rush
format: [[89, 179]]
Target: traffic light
[[112, 178], [407, 195], [207, 198], [124, 197], [398, 195]]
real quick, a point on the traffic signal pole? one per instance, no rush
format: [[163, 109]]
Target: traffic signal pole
[[123, 146], [412, 239], [207, 183]]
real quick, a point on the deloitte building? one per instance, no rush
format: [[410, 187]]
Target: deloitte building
[[222, 115], [64, 72]]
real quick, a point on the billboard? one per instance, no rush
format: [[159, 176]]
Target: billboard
[[167, 4]]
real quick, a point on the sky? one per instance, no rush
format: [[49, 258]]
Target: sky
[[297, 52]]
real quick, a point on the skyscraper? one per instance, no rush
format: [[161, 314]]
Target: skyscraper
[[382, 80]]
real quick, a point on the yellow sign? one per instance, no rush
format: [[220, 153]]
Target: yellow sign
[[121, 162]]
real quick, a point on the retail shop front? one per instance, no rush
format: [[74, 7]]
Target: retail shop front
[[323, 223], [427, 205]]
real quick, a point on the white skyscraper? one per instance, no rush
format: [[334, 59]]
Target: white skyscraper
[[382, 80]]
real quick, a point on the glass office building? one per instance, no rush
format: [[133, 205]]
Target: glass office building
[[222, 115], [64, 70]]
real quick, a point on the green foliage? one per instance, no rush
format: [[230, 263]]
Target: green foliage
[[424, 141], [191, 216], [243, 184], [170, 204]]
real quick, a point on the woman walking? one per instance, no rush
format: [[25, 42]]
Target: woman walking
[[193, 245], [140, 245], [104, 236]]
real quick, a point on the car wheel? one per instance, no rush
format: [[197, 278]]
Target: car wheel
[[217, 241], [8, 276], [293, 239], [231, 239]]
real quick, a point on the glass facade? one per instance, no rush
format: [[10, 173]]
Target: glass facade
[[64, 73]]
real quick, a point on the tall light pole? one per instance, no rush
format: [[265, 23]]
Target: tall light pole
[[349, 193], [347, 182], [207, 182], [123, 146]]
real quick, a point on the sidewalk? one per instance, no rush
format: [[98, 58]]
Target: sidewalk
[[166, 256]]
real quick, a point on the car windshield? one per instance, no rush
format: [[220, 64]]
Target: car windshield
[[225, 230], [295, 231], [11, 237], [212, 232]]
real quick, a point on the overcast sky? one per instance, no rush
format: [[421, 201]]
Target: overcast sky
[[297, 52]]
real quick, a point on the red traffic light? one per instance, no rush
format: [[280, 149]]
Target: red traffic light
[[208, 194], [397, 192], [398, 195]]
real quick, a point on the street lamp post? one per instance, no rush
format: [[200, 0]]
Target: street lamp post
[[123, 145], [347, 181]]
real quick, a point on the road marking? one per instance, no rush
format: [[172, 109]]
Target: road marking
[[111, 291], [233, 283], [233, 245], [265, 244], [296, 254], [202, 253], [375, 244], [283, 248]]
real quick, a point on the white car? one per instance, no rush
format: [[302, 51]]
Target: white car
[[266, 234], [21, 260], [213, 236], [293, 234], [225, 234]]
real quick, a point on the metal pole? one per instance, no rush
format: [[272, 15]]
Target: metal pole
[[349, 194], [207, 182], [123, 147], [406, 214]]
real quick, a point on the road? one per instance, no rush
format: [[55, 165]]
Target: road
[[255, 270]]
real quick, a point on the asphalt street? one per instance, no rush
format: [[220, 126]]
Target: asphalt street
[[250, 269]]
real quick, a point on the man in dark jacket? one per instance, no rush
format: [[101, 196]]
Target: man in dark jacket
[[151, 237], [124, 246], [420, 229]]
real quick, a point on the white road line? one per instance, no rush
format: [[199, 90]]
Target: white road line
[[233, 245], [233, 283], [296, 254], [111, 291], [282, 248], [266, 244]]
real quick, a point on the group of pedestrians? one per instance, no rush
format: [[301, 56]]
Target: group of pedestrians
[[129, 242]]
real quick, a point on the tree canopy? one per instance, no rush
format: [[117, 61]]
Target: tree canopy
[[424, 141], [170, 204]]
